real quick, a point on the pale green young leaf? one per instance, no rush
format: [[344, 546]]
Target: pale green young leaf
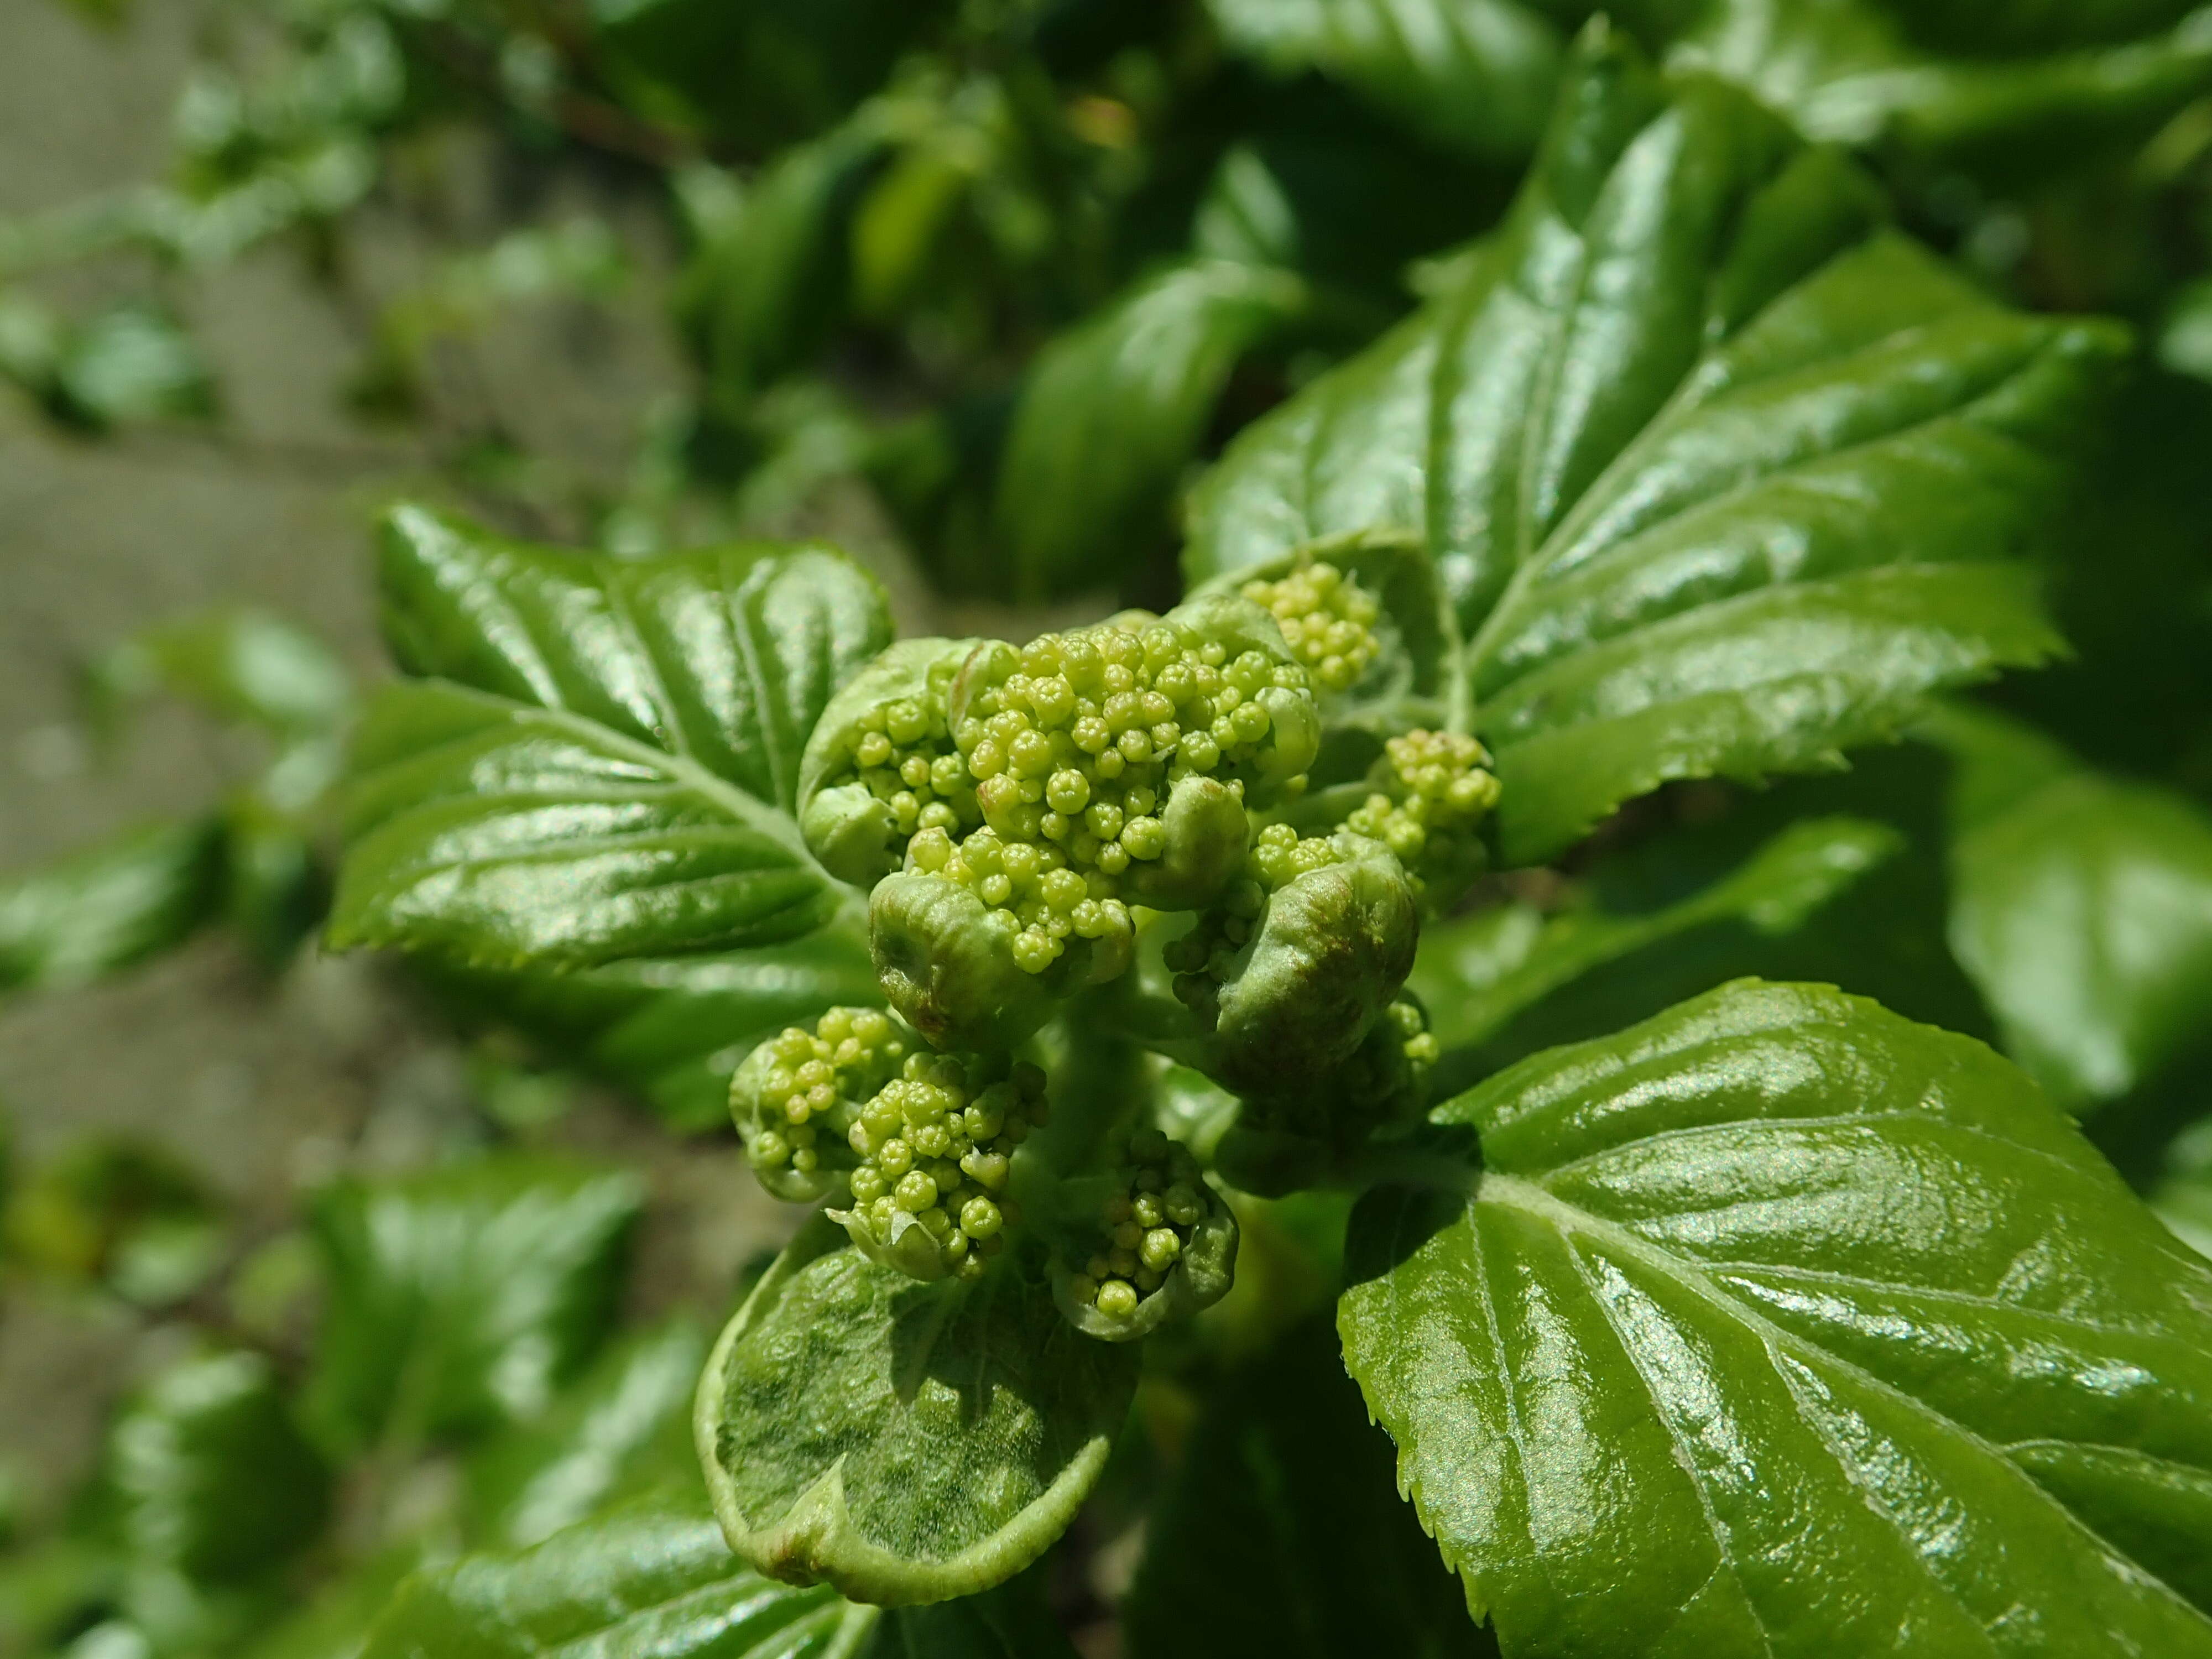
[[113, 903], [1115, 409], [906, 1442], [599, 763], [1779, 1325], [463, 1298], [1720, 471]]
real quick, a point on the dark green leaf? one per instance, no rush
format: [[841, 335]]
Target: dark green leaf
[[109, 906], [1474, 75], [1720, 472], [213, 1477], [623, 1429], [462, 1298], [604, 768], [1114, 410], [904, 1442], [654, 1581], [335, 1624], [1778, 1324], [1476, 974], [2081, 907], [118, 1211], [1284, 1535]]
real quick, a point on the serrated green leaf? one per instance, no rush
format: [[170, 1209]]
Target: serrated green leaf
[[1284, 1535], [213, 1477], [1475, 975], [1779, 1325], [114, 903], [906, 1442], [604, 768], [2082, 907], [654, 1581], [1717, 469], [1476, 75], [623, 1429], [462, 1298], [1115, 409]]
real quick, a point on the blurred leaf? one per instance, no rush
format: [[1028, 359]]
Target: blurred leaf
[[1010, 1622], [118, 1211], [1476, 974], [109, 906], [654, 1581], [2081, 907], [335, 1623], [903, 1441], [1734, 1331], [463, 1298], [1284, 1535], [49, 1588], [605, 773], [1114, 410], [624, 1428], [1474, 75], [239, 664], [1721, 474], [213, 1476], [127, 365]]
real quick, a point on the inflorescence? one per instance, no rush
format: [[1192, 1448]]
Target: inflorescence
[[1328, 620], [1202, 960], [1144, 1226], [806, 1077]]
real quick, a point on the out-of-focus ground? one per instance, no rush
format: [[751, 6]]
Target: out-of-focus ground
[[262, 1084]]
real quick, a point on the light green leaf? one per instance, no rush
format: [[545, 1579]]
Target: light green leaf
[[604, 771], [213, 1477], [1474, 75], [127, 365], [906, 1442], [1779, 1325], [623, 1429], [2082, 907], [1115, 409], [463, 1298], [654, 1581], [1284, 1535], [241, 665], [1719, 471], [1475, 974], [114, 903]]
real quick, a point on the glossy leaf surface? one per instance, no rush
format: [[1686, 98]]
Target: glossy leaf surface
[[1114, 410], [95, 911], [1284, 1535], [603, 767], [1778, 1324], [463, 1297], [906, 1442], [654, 1581], [1722, 475]]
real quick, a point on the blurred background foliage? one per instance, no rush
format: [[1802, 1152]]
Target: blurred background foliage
[[972, 287]]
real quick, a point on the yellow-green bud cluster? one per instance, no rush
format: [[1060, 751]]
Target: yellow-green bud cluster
[[1438, 792], [1201, 960], [904, 756], [936, 1145], [1143, 1227], [1072, 745], [1328, 620], [1416, 1041], [800, 1079]]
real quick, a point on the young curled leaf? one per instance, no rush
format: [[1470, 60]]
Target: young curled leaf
[[906, 1442], [1144, 1245]]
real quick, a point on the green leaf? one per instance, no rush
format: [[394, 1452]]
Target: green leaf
[[2082, 907], [1722, 474], [623, 1429], [463, 1298], [1778, 1324], [1475, 975], [1013, 1621], [128, 365], [1114, 410], [1476, 75], [336, 1623], [241, 665], [113, 904], [904, 1442], [213, 1477], [654, 1581], [1284, 1535], [604, 769]]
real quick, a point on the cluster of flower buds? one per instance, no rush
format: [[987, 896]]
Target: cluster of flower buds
[[1328, 620], [1148, 1242], [796, 1096], [1433, 795], [936, 1146]]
